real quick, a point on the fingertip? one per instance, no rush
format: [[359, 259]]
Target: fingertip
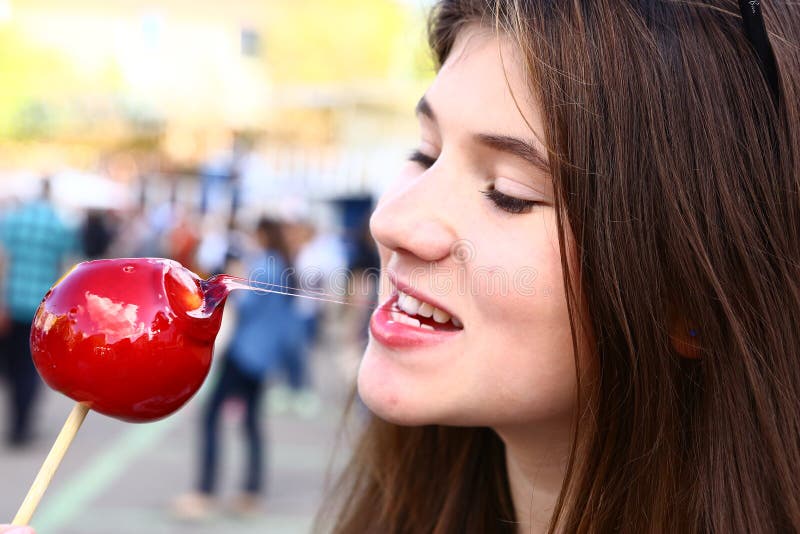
[[11, 529]]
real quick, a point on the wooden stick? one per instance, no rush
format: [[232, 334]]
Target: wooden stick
[[51, 463]]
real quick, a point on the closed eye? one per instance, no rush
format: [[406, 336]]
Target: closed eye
[[508, 203], [502, 201], [423, 159]]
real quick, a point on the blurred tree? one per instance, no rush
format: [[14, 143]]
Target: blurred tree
[[42, 90], [27, 72], [324, 41]]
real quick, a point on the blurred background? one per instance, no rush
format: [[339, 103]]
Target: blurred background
[[194, 131]]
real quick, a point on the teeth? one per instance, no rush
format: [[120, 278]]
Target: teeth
[[440, 316], [405, 319], [410, 305], [426, 327], [413, 306], [426, 310]]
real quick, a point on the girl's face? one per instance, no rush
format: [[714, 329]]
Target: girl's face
[[470, 228]]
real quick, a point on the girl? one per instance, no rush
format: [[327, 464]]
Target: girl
[[590, 314]]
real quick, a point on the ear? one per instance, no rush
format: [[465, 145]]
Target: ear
[[685, 338]]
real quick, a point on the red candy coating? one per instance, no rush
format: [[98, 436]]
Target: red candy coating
[[120, 336]]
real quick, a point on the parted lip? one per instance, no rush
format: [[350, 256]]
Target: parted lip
[[409, 290]]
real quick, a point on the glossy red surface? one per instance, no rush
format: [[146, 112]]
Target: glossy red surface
[[125, 336]]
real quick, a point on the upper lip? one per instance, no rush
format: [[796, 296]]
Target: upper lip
[[409, 290]]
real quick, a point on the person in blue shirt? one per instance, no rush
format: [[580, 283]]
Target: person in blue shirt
[[267, 328], [35, 243]]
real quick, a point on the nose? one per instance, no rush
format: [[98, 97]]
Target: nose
[[410, 219]]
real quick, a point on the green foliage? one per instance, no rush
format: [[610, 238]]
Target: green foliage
[[40, 90], [324, 41], [25, 72]]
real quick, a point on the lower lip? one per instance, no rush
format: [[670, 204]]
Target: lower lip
[[394, 334]]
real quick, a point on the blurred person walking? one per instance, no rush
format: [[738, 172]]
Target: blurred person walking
[[35, 242], [267, 328], [320, 260]]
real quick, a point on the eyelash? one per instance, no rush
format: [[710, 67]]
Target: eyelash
[[504, 202], [423, 159]]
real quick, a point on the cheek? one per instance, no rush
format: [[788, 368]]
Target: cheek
[[534, 375], [526, 340], [528, 368], [520, 289]]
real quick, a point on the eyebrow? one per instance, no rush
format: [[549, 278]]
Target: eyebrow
[[501, 143]]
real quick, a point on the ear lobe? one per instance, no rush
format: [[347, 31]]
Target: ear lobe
[[684, 338]]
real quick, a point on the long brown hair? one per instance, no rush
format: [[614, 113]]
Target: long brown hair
[[681, 184]]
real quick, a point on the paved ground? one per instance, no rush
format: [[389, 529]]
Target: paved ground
[[120, 478]]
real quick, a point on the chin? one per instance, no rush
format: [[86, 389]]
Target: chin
[[386, 403], [406, 403], [386, 395]]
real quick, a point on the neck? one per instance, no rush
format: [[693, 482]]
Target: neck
[[536, 461]]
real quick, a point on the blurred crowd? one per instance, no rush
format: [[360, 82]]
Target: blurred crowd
[[317, 249]]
